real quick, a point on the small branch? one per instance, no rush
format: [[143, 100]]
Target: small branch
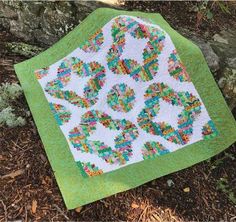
[[5, 210], [13, 174], [26, 214], [61, 211]]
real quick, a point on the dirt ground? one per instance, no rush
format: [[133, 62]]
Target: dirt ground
[[204, 192]]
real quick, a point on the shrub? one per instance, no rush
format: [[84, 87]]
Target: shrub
[[8, 95]]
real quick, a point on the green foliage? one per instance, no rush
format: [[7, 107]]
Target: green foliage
[[205, 8], [8, 95], [223, 6], [219, 161], [223, 185], [203, 11], [9, 92], [10, 119]]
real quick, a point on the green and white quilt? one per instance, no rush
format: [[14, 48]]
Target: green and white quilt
[[121, 100]]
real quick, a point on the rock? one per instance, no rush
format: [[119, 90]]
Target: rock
[[224, 44], [227, 83], [218, 38], [7, 12], [45, 22], [170, 183], [211, 57], [231, 62], [220, 54]]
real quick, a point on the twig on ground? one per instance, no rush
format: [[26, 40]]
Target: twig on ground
[[60, 211], [5, 210], [26, 214], [141, 215], [82, 212], [13, 174]]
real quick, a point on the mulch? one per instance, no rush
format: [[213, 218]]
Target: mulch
[[29, 190]]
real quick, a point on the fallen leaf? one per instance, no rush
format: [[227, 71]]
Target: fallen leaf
[[187, 190], [78, 209], [143, 206], [43, 182], [13, 174], [34, 206], [134, 205]]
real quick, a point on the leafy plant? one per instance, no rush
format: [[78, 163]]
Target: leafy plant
[[8, 94], [204, 9], [223, 185], [215, 164], [224, 6]]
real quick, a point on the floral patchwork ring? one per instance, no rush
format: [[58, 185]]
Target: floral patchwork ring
[[191, 108], [153, 48], [122, 151], [91, 89]]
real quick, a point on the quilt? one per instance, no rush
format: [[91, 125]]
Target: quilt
[[121, 100]]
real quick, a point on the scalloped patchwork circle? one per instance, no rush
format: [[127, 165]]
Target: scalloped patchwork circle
[[153, 48], [121, 98], [191, 108], [119, 154], [91, 89], [124, 96]]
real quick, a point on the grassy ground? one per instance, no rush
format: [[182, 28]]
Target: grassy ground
[[204, 192]]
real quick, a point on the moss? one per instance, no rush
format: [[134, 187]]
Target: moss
[[24, 49]]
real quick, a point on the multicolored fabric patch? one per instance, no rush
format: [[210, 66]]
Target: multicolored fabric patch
[[176, 68], [40, 73], [117, 101], [88, 169], [121, 98], [94, 43], [153, 149], [209, 130], [60, 113]]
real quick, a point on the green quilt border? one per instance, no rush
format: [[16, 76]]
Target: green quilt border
[[76, 189]]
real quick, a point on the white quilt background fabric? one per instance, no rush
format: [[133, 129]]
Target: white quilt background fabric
[[168, 113]]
